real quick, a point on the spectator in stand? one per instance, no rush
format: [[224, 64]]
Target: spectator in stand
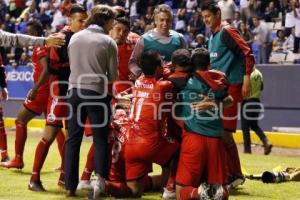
[[289, 21], [191, 6], [244, 10], [279, 41], [289, 42], [196, 24], [296, 12], [271, 12], [180, 25], [199, 42], [228, 9], [3, 10], [24, 59], [237, 20], [245, 33], [262, 39], [255, 8]]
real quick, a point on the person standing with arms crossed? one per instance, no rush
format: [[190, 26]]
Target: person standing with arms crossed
[[93, 61], [161, 39], [230, 54]]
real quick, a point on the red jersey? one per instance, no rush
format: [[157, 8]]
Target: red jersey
[[148, 113], [124, 53], [37, 54], [116, 141]]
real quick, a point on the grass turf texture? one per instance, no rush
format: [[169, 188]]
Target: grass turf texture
[[13, 183]]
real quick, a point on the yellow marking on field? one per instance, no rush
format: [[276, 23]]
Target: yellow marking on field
[[290, 140]]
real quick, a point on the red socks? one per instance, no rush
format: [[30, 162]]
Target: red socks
[[39, 159], [189, 192], [89, 166], [21, 136], [3, 138]]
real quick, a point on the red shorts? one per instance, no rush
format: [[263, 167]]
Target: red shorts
[[58, 109], [230, 114], [141, 154], [39, 104], [201, 159]]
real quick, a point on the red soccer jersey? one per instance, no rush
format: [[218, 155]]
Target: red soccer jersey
[[148, 113], [124, 53], [38, 53]]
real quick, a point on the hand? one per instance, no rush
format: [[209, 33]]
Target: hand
[[124, 101], [246, 89], [205, 104], [55, 40], [4, 94], [32, 94]]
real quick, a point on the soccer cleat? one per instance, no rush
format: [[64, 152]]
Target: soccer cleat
[[235, 182], [98, 187], [17, 163], [217, 192], [84, 185], [203, 190], [36, 186], [169, 194]]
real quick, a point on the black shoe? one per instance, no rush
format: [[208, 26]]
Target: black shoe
[[36, 186], [70, 193], [267, 149]]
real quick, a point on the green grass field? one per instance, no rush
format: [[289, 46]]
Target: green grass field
[[13, 183]]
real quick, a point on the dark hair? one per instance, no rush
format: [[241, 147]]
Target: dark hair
[[200, 58], [120, 11], [76, 8], [211, 7], [181, 57], [150, 60], [123, 20], [36, 25], [100, 14]]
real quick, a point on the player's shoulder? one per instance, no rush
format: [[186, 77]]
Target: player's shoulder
[[165, 84]]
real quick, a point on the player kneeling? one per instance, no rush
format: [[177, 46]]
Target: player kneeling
[[201, 159]]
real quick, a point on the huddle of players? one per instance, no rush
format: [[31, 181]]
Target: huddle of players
[[147, 133], [174, 121]]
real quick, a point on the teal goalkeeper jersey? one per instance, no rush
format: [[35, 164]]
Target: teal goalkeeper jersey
[[165, 50], [208, 123]]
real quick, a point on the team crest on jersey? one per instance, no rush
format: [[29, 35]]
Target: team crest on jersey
[[51, 117], [213, 54]]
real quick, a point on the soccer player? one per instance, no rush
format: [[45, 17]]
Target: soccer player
[[201, 159], [162, 39], [230, 54], [59, 69], [30, 109], [10, 39], [146, 143]]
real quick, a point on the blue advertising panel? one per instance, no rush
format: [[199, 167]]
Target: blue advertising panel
[[19, 81]]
